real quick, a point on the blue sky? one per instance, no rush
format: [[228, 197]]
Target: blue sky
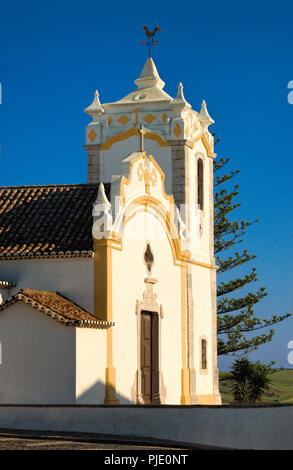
[[235, 55]]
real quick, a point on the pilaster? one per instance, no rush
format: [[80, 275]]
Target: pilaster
[[103, 309], [217, 396], [190, 335], [181, 192]]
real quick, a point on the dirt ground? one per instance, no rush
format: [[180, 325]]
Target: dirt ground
[[25, 440]]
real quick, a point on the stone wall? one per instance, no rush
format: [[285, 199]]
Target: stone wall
[[246, 427]]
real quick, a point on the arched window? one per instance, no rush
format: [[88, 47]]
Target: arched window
[[200, 183], [204, 365]]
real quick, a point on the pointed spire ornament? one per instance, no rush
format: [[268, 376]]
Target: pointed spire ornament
[[149, 76], [204, 117], [180, 99], [95, 109], [102, 217], [102, 198]]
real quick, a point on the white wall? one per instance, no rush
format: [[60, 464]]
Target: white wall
[[200, 249], [202, 326], [71, 277], [91, 362], [38, 358], [228, 427], [129, 272], [111, 159], [46, 362]]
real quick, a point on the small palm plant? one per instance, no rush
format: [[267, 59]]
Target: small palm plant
[[241, 371], [241, 392], [260, 381], [250, 380]]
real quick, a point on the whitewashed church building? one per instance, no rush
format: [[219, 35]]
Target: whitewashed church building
[[108, 289]]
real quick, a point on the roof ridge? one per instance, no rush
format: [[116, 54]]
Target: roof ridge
[[60, 316], [26, 186]]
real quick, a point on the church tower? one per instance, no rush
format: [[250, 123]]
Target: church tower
[[178, 139]]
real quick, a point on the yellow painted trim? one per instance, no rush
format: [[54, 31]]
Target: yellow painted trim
[[103, 308], [202, 137], [177, 131], [110, 373], [92, 135], [185, 376], [136, 111], [205, 399], [168, 197], [178, 253], [166, 221], [129, 133], [127, 181], [200, 263], [204, 140], [103, 279], [123, 120], [149, 118]]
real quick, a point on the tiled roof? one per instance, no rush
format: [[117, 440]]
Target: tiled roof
[[58, 308], [7, 284], [40, 221]]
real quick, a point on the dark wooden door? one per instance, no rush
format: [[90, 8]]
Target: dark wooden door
[[150, 357]]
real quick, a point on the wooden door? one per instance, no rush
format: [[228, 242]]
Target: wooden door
[[149, 357]]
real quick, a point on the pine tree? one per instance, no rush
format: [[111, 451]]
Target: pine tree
[[237, 321]]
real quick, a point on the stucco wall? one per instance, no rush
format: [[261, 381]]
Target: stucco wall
[[38, 358], [202, 327], [91, 355], [111, 159], [200, 248], [45, 362], [71, 277], [224, 427], [129, 272]]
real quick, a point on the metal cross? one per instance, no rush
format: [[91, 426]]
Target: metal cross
[[141, 138]]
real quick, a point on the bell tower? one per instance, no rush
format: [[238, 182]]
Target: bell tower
[[174, 133], [178, 137]]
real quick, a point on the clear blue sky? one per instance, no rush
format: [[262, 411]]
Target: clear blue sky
[[236, 55]]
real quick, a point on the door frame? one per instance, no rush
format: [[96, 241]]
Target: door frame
[[154, 394], [149, 304]]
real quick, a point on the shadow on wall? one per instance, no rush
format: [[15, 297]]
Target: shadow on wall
[[95, 395]]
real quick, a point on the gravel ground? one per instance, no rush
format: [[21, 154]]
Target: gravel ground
[[23, 440]]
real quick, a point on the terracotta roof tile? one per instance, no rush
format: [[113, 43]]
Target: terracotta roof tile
[[57, 307], [41, 221], [7, 285]]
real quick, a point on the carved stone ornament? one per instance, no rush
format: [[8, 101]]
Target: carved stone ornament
[[150, 177], [148, 258]]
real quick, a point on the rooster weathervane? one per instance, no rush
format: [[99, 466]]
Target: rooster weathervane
[[150, 38]]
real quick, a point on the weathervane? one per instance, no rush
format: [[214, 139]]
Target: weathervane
[[150, 38]]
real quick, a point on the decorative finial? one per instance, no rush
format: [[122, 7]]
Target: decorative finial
[[102, 198], [141, 138], [95, 109], [180, 100], [150, 38], [204, 117]]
